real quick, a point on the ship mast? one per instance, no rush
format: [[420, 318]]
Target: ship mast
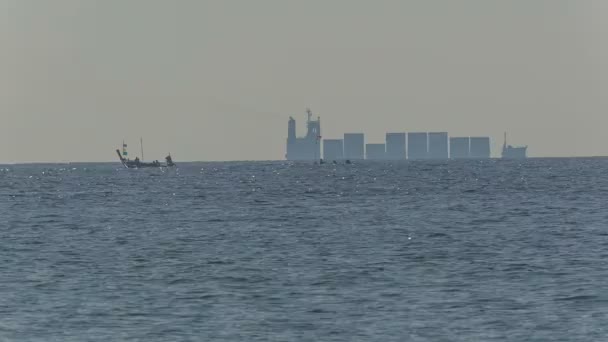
[[141, 141]]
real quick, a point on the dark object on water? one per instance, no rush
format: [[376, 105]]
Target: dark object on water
[[321, 161], [335, 162], [347, 161], [169, 160]]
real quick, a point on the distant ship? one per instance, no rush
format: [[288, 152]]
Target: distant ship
[[511, 152], [137, 163]]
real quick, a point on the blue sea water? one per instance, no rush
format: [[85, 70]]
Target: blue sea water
[[412, 251]]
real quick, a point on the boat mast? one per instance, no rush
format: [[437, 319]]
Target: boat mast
[[141, 141]]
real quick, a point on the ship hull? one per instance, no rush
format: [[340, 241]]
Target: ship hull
[[134, 165], [515, 153]]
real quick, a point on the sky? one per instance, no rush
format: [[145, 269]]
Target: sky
[[218, 80]]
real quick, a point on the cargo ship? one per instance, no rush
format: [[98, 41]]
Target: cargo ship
[[139, 163], [513, 152]]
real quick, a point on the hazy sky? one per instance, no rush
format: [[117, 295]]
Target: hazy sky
[[217, 80]]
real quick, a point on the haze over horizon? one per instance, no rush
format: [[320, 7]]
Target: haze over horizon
[[217, 80]]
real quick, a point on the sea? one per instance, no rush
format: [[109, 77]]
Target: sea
[[475, 250]]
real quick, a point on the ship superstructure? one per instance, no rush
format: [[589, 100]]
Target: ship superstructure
[[513, 152], [307, 147]]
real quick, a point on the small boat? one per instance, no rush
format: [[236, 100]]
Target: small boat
[[137, 163]]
